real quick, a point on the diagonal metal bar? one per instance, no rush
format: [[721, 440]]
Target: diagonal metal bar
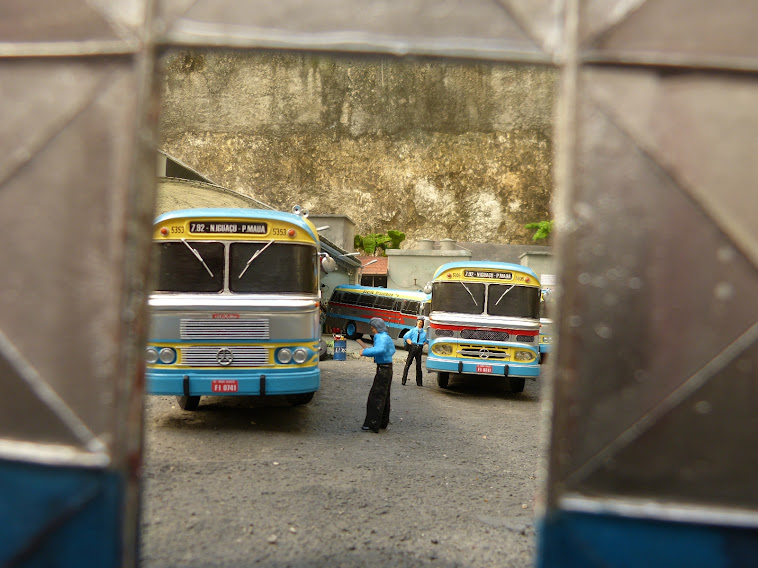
[[520, 24], [166, 25], [622, 11], [679, 395], [48, 396], [28, 154], [650, 154]]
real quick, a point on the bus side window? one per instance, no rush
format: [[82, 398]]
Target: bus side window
[[384, 303], [411, 308], [350, 298], [336, 297], [366, 300]]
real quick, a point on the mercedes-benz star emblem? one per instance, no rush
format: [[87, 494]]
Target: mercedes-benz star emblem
[[484, 353], [224, 356]]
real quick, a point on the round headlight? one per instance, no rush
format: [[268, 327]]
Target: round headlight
[[167, 355], [284, 356], [523, 356], [442, 349], [151, 355], [300, 355]]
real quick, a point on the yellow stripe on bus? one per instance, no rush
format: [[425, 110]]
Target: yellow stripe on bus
[[497, 275], [384, 293], [175, 229]]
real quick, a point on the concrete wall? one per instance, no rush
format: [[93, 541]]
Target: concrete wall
[[412, 269], [540, 262], [341, 229], [434, 149]]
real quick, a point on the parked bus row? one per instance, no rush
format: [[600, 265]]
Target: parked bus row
[[236, 310], [484, 319]]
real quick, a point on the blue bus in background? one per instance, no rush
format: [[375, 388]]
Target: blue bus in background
[[485, 321]]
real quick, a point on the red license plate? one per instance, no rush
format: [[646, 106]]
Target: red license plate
[[484, 368], [224, 385]]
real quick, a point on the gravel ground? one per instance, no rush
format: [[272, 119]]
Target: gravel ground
[[241, 482]]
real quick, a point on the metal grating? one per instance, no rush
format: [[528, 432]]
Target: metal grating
[[485, 335], [479, 352], [208, 356], [253, 329]]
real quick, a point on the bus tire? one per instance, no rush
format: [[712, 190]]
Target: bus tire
[[351, 331], [517, 384], [323, 351], [443, 379], [188, 402], [298, 399]]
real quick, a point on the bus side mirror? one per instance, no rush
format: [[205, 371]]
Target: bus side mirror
[[328, 264], [428, 288]]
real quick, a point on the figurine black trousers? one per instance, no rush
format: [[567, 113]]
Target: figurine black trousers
[[378, 404], [414, 352]]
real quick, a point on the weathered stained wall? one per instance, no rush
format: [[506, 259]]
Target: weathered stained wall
[[435, 149]]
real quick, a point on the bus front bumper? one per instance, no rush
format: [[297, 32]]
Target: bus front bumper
[[473, 367], [212, 382]]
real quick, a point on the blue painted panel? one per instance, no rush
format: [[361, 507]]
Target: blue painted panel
[[59, 516], [584, 540]]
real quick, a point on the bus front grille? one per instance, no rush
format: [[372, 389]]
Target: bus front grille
[[485, 334], [215, 356], [480, 352], [224, 329]]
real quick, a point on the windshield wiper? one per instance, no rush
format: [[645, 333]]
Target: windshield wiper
[[197, 254], [504, 293], [470, 294], [256, 255]]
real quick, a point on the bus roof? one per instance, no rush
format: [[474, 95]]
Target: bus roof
[[389, 292], [240, 213], [486, 265]]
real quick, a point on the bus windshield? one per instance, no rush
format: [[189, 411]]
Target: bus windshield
[[280, 268], [187, 266], [458, 297], [513, 301], [196, 266]]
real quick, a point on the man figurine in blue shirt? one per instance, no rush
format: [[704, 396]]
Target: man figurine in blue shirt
[[378, 404], [415, 339]]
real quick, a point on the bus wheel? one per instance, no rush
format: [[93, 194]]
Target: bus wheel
[[298, 399], [323, 352], [188, 402], [351, 331], [443, 379], [516, 384]]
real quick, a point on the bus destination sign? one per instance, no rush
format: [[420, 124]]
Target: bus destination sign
[[482, 274], [228, 227]]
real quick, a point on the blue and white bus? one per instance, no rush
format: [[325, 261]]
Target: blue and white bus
[[235, 307], [485, 320]]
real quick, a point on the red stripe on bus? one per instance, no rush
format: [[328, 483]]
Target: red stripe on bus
[[387, 315]]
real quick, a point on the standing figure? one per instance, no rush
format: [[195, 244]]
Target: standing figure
[[415, 339], [378, 404]]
